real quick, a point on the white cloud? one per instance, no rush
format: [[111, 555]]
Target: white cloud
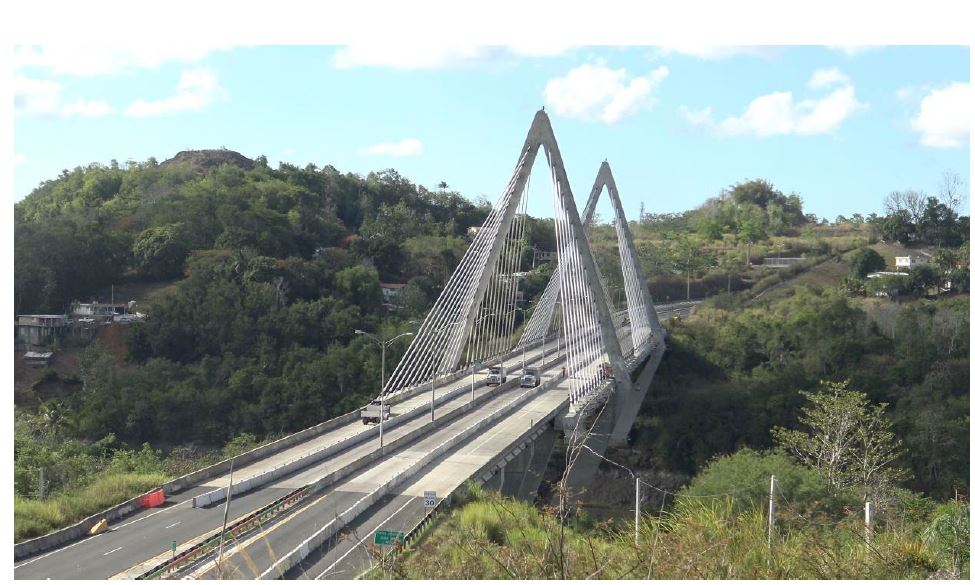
[[778, 113], [596, 92], [406, 147], [86, 108], [42, 96], [715, 52], [406, 56], [906, 93], [854, 50], [435, 57], [36, 96], [944, 118], [19, 159], [197, 89], [822, 78], [89, 61]]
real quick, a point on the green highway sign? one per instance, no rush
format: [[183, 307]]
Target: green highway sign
[[388, 537]]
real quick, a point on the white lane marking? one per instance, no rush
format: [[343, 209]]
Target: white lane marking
[[62, 549], [111, 551], [174, 524], [358, 544]]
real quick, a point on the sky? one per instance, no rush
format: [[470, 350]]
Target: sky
[[842, 126]]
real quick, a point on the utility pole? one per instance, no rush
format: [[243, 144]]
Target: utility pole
[[771, 511], [226, 511], [40, 484], [636, 518]]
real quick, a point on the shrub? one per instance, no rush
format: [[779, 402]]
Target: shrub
[[744, 477]]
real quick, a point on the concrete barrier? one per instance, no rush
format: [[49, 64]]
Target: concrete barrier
[[80, 529], [298, 463], [283, 565]]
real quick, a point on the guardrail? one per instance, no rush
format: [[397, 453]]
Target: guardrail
[[298, 463], [235, 530], [199, 550], [174, 486], [278, 569]]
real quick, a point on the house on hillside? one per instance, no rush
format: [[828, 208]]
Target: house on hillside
[[391, 291], [101, 312], [40, 329], [910, 261]]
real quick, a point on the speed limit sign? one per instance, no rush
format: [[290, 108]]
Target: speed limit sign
[[429, 499]]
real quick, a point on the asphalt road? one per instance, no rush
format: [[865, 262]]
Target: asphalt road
[[149, 533]]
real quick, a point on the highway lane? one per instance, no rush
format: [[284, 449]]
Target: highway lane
[[260, 550], [149, 533], [352, 552]]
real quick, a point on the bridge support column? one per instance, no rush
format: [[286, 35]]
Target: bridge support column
[[611, 428], [627, 404], [523, 474]]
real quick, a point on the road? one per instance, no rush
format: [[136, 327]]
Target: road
[[149, 533], [146, 536]]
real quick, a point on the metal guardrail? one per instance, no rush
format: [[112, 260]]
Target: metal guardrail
[[342, 519], [297, 463], [238, 528], [200, 550]]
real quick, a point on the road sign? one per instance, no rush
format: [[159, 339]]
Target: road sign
[[388, 537], [429, 499], [173, 546]]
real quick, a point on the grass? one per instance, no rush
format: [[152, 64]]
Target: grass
[[34, 518], [491, 537]]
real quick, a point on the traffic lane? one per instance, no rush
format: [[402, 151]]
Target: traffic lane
[[262, 550], [347, 558], [347, 554], [281, 542], [134, 542]]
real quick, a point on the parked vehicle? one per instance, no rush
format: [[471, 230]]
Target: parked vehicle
[[530, 378], [496, 376], [370, 414]]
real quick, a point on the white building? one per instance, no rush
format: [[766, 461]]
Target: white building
[[908, 262]]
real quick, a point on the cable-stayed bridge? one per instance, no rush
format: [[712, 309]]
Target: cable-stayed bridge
[[309, 505]]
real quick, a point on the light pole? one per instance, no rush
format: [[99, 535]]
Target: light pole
[[525, 313], [383, 343], [433, 389], [473, 369]]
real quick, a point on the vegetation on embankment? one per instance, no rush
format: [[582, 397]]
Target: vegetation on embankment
[[81, 479], [698, 537]]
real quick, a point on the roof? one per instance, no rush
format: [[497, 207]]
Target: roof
[[44, 316], [33, 355], [391, 285]]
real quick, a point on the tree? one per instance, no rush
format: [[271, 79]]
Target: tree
[[896, 227], [952, 190], [848, 439], [866, 261], [912, 202], [921, 278], [160, 252], [752, 231], [359, 285]]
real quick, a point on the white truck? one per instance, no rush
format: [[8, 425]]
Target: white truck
[[530, 378], [496, 376], [370, 414]]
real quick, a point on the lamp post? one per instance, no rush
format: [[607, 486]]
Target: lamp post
[[473, 369], [383, 343]]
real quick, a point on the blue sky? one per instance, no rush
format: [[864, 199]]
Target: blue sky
[[840, 126]]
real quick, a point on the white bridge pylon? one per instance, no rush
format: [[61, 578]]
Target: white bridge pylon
[[473, 319]]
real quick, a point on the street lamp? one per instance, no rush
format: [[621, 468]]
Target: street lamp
[[433, 389], [476, 321], [383, 343]]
